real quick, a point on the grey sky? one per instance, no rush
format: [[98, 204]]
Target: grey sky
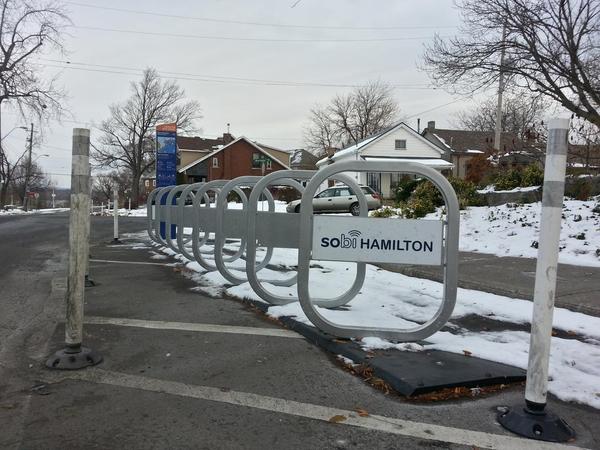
[[272, 114]]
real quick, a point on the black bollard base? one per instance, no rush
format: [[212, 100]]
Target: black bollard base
[[116, 241], [535, 423], [73, 358], [89, 282]]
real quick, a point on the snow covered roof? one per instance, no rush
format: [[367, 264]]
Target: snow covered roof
[[371, 139], [436, 163]]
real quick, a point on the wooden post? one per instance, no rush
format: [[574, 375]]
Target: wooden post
[[74, 355]]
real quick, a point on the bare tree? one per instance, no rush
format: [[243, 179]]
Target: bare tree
[[551, 48], [127, 140], [35, 179], [27, 30], [522, 115], [350, 118], [584, 149]]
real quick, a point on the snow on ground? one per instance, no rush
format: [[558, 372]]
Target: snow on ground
[[14, 212], [390, 299], [492, 188], [513, 230]]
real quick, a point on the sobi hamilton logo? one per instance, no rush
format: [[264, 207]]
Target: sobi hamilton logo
[[353, 240]]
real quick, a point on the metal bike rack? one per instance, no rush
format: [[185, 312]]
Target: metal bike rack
[[154, 215], [448, 256], [282, 230], [232, 223]]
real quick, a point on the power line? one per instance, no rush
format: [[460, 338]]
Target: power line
[[260, 24], [210, 78], [249, 39]]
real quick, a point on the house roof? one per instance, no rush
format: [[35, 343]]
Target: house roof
[[254, 144], [436, 163], [198, 143], [302, 159], [372, 139], [466, 141]]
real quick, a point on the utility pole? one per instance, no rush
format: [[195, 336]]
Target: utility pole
[[53, 197], [28, 170], [498, 131]]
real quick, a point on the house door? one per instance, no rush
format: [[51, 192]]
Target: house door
[[374, 181]]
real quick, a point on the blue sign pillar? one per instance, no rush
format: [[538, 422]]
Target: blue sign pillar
[[166, 165]]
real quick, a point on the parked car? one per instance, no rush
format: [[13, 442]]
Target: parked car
[[339, 199]]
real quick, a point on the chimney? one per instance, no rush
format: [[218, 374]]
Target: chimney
[[431, 124], [227, 138], [418, 125]]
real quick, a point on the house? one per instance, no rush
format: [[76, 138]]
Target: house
[[191, 149], [396, 143], [235, 159], [460, 146]]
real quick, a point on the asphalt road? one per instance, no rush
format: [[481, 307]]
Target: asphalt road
[[167, 382]]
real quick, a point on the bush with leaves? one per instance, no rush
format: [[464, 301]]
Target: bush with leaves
[[384, 212], [405, 188], [416, 207], [466, 192], [533, 175], [507, 180]]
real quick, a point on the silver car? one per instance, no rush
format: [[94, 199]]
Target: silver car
[[338, 199]]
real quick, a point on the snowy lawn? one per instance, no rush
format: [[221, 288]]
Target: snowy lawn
[[394, 300], [513, 230], [14, 212]]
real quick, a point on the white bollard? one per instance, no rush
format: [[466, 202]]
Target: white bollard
[[74, 355], [534, 421], [116, 217]]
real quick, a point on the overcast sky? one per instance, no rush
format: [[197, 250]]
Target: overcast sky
[[108, 47]]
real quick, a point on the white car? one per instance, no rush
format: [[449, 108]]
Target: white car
[[339, 199]]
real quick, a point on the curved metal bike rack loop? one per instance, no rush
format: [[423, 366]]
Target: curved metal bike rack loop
[[449, 252], [170, 210], [150, 213], [282, 230], [204, 221], [185, 216], [154, 220], [232, 223]]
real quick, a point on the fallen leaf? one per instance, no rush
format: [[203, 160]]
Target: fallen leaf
[[362, 412], [337, 418]]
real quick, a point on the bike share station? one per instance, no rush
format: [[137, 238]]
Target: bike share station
[[196, 221], [201, 225]]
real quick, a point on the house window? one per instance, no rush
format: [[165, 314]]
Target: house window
[[154, 182], [268, 165], [400, 144], [147, 183], [215, 162], [256, 160]]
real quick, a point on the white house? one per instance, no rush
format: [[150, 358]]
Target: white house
[[397, 143]]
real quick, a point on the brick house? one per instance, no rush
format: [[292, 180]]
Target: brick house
[[237, 158]]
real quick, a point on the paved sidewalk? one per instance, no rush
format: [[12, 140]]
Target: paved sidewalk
[[183, 370], [578, 287]]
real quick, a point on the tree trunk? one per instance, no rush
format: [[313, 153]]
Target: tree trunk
[[3, 194], [135, 190]]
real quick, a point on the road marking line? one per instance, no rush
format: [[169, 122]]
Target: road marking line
[[129, 262], [391, 425], [184, 326]]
